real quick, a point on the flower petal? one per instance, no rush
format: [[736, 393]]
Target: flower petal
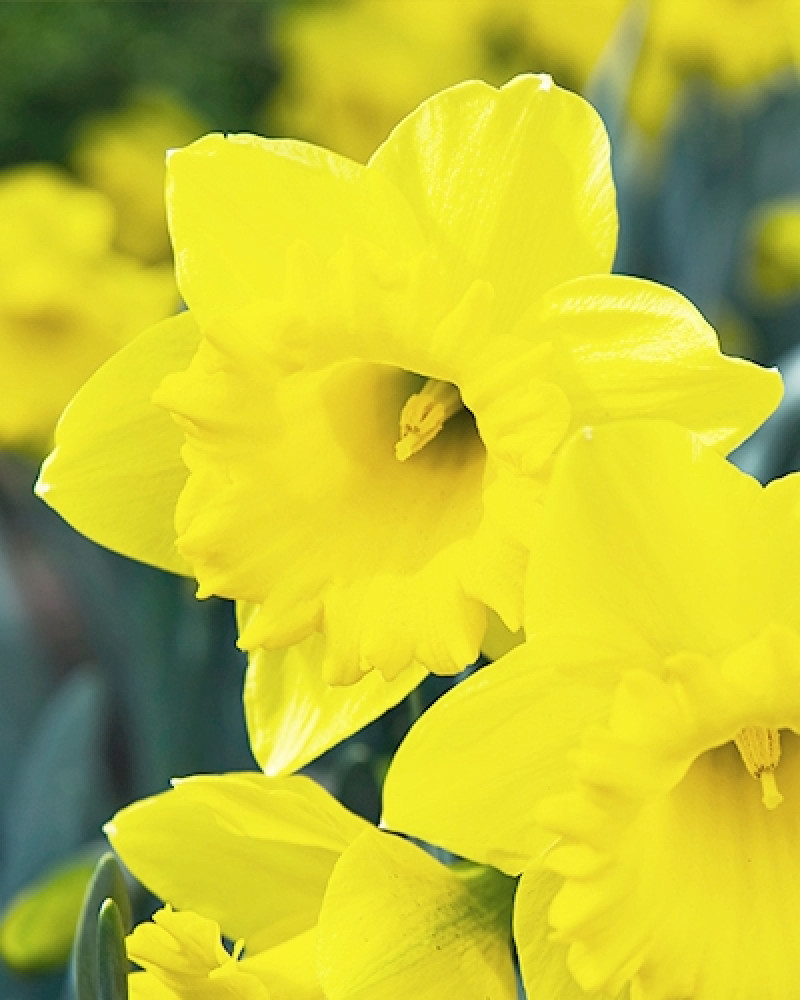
[[116, 472], [514, 184], [640, 544], [625, 347], [294, 715], [395, 923], [543, 962], [444, 784], [251, 852], [236, 204]]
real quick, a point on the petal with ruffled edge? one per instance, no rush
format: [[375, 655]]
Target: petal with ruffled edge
[[296, 501], [680, 872], [395, 923], [625, 347], [294, 715], [640, 542], [513, 185], [251, 852], [116, 471], [470, 773], [237, 203]]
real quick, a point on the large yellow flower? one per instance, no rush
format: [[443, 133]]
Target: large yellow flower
[[350, 430], [317, 902], [67, 301], [639, 758]]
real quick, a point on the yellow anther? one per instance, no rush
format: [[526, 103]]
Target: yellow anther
[[760, 750], [424, 415]]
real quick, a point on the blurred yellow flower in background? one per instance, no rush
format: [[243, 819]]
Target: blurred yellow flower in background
[[123, 154], [67, 300], [732, 44], [352, 68]]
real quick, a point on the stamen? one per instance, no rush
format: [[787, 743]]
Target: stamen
[[424, 415], [760, 750]]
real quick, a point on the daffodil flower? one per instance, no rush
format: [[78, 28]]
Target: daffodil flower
[[350, 430], [638, 759], [317, 902]]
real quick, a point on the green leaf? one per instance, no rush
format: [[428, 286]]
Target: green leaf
[[108, 882], [38, 927], [112, 962], [53, 805]]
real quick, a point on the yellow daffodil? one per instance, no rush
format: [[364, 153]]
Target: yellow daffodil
[[639, 758], [318, 903], [350, 430], [123, 154], [67, 301]]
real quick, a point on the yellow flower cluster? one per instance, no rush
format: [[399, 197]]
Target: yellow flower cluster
[[405, 396], [352, 68]]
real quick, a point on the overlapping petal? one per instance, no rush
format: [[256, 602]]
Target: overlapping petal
[[641, 540], [294, 714], [253, 853], [483, 168], [116, 472], [456, 778], [625, 347], [438, 928], [236, 204]]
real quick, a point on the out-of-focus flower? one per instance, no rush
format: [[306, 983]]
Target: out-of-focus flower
[[775, 246], [123, 154], [377, 367], [318, 902], [733, 45], [353, 69], [67, 301], [639, 757]]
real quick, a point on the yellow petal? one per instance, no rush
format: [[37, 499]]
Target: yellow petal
[[116, 472], [640, 544], [289, 968], [294, 715], [397, 924], [513, 185], [473, 768], [237, 204], [543, 962], [624, 347], [251, 852]]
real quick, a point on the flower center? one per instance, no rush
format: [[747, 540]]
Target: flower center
[[760, 750], [424, 414]]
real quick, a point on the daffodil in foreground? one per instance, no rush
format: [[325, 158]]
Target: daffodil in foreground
[[67, 299], [639, 758], [319, 904], [350, 430]]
